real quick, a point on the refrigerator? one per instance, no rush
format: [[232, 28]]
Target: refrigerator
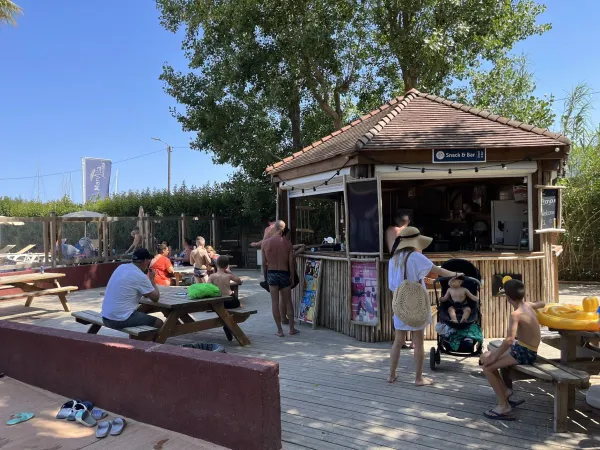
[[509, 219]]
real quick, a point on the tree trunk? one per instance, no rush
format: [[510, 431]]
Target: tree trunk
[[294, 116]]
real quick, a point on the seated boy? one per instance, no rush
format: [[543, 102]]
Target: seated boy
[[523, 322], [222, 279], [458, 295]]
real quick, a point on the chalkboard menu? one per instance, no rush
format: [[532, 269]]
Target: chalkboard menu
[[549, 209], [363, 215]]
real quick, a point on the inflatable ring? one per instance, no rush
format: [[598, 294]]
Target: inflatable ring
[[571, 317]]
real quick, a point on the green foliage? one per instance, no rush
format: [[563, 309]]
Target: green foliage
[[8, 11], [507, 90], [581, 198], [269, 77]]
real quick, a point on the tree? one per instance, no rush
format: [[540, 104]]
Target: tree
[[434, 42], [8, 12], [260, 69], [269, 77], [507, 90]]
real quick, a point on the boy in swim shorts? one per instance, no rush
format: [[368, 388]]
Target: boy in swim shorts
[[523, 322]]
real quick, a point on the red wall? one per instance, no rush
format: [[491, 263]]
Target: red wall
[[229, 400]]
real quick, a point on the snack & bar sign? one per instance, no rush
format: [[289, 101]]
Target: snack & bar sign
[[476, 155]]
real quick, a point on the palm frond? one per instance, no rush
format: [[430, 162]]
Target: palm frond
[[8, 11]]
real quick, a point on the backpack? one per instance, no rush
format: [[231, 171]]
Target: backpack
[[411, 302]]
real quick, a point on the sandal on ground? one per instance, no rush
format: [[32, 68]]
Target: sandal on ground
[[19, 418], [103, 429], [66, 409], [85, 418], [76, 408], [118, 425], [99, 414], [491, 414]]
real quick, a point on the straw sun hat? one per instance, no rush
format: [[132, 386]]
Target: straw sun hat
[[411, 237], [410, 302]]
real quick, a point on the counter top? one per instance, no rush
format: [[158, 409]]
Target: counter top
[[444, 256]]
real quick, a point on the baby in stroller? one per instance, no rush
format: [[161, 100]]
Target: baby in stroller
[[458, 295]]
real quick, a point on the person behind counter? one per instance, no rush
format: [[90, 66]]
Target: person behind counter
[[408, 259], [401, 221]]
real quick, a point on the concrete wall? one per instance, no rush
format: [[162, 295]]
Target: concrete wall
[[229, 400]]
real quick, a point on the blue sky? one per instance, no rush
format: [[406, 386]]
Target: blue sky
[[80, 78]]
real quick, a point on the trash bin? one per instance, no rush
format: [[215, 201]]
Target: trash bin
[[208, 347]]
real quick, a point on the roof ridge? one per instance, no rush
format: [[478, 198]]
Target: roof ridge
[[402, 101], [335, 133], [495, 118]]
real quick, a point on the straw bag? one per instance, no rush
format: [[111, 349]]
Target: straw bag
[[411, 303]]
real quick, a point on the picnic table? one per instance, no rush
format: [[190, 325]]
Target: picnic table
[[29, 284], [175, 305]]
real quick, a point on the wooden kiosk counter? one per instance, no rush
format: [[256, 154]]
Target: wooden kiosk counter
[[483, 186]]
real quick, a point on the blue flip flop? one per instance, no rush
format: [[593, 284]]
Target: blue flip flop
[[19, 418]]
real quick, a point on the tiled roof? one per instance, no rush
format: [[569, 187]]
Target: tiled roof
[[422, 121]]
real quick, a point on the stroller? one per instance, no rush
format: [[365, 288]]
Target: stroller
[[472, 281]]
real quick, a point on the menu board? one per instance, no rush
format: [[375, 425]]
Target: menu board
[[363, 287], [363, 212], [549, 209], [309, 303], [498, 282]]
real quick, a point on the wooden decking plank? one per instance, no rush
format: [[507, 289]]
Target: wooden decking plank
[[307, 438]]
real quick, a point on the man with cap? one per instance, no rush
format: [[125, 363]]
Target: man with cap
[[127, 285]]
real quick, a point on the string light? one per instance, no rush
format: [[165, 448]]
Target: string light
[[397, 167], [314, 189], [449, 171], [476, 169], [423, 170], [283, 184], [326, 183], [503, 166], [303, 191], [292, 188], [337, 173]]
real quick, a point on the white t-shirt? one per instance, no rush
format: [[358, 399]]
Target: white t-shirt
[[418, 267], [125, 288]]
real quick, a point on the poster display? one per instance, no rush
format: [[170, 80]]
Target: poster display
[[310, 298], [499, 280], [364, 291]]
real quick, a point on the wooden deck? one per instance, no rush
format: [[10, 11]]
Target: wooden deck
[[334, 393]]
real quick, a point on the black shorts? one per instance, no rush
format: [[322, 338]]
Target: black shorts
[[200, 273], [278, 278]]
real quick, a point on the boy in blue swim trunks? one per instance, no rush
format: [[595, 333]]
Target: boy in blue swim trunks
[[523, 323]]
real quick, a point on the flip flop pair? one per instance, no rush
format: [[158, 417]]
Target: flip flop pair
[[114, 428], [80, 406], [491, 414], [84, 417]]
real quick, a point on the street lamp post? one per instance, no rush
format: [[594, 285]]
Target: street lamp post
[[169, 162]]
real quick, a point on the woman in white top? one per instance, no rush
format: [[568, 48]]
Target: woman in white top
[[410, 243]]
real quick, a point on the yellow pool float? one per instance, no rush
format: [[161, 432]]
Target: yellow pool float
[[571, 317]]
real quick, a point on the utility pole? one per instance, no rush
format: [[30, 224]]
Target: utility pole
[[169, 150]]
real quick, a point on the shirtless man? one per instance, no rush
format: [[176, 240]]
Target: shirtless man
[[401, 222], [200, 260], [523, 322], [137, 240], [266, 235], [278, 257]]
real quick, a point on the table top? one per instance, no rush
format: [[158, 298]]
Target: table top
[[30, 277], [176, 298]]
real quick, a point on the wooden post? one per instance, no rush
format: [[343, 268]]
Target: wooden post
[[338, 236], [59, 224], [146, 226], [46, 237], [52, 238], [105, 248], [182, 231]]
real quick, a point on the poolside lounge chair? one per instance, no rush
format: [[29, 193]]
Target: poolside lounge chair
[[6, 249], [25, 249]]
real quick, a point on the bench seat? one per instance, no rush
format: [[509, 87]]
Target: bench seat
[[565, 380], [94, 319]]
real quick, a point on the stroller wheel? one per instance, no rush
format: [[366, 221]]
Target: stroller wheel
[[438, 357], [432, 358]]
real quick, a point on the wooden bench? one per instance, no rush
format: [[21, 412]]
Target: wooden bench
[[565, 380], [61, 292], [93, 318]]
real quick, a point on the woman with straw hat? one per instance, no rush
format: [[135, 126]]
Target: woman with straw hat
[[408, 263]]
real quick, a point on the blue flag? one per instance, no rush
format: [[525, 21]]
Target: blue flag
[[96, 178]]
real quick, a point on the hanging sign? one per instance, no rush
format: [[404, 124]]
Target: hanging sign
[[550, 209], [363, 288], [309, 303], [96, 178], [459, 155]]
